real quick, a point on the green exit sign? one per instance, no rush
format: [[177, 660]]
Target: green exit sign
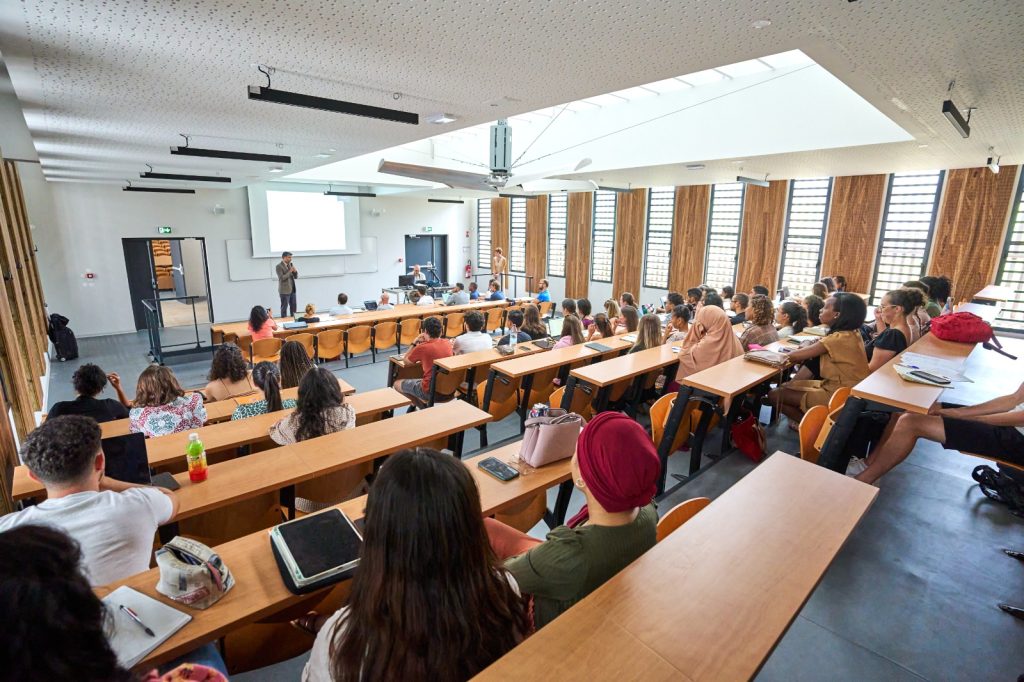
[[428, 229], [166, 229]]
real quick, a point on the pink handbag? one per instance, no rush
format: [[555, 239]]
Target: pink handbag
[[551, 438]]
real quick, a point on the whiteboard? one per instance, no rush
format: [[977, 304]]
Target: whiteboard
[[242, 266]]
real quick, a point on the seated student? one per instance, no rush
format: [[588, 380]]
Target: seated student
[[678, 325], [628, 321], [727, 294], [427, 347], [475, 338], [113, 521], [740, 303], [601, 329], [474, 293], [459, 295], [791, 318], [425, 545], [261, 324], [616, 467], [921, 316], [893, 335], [840, 282], [385, 301], [648, 333], [938, 293], [992, 429], [613, 311], [710, 341], [830, 285], [693, 298], [162, 406], [342, 307], [837, 360], [761, 330], [813, 305], [414, 297], [543, 295], [711, 297], [627, 299], [572, 332], [89, 381], [321, 409], [229, 375], [515, 322], [309, 315], [294, 363], [496, 294], [584, 309], [820, 290], [59, 627], [267, 377], [532, 324], [568, 306], [424, 297], [759, 290]]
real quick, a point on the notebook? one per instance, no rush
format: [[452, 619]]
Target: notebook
[[295, 325], [317, 548], [129, 641], [593, 345]]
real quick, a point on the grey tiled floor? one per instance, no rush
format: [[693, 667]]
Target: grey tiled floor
[[912, 595]]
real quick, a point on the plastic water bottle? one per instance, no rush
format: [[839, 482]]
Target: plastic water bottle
[[195, 455], [513, 337]]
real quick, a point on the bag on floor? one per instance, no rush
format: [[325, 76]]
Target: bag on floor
[[551, 438], [748, 436], [64, 342], [1001, 486]]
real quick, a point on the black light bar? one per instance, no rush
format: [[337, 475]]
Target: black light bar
[[961, 124], [295, 99], [225, 154], [518, 196], [349, 194], [162, 190], [176, 176], [752, 181], [446, 201]]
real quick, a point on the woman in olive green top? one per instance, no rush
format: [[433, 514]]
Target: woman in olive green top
[[616, 467]]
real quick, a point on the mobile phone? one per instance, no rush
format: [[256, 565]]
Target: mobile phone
[[934, 378], [165, 480], [495, 467]]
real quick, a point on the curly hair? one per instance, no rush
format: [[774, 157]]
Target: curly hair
[[157, 386], [62, 450], [318, 393], [762, 311], [294, 362], [89, 380], [908, 299], [228, 363], [48, 599]]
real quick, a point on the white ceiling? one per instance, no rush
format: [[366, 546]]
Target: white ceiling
[[106, 87]]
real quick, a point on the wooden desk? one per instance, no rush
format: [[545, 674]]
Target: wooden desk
[[712, 600], [987, 312], [259, 591], [603, 375], [994, 293], [471, 363]]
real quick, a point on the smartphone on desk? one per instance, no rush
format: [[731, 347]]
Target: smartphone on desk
[[495, 467], [928, 376], [164, 480]]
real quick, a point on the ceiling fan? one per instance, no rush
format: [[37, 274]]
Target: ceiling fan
[[501, 179]]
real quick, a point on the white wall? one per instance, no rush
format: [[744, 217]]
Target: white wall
[[90, 220]]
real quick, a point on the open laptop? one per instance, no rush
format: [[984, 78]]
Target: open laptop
[[370, 305], [555, 327]]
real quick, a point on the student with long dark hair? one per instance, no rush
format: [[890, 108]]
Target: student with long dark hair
[[678, 325], [791, 318], [532, 324], [813, 305], [321, 409], [261, 324], [840, 282], [584, 307], [267, 378], [430, 600], [229, 376], [629, 320], [830, 285], [294, 363], [939, 291], [601, 329], [572, 332]]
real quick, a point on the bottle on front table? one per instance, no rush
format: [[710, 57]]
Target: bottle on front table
[[513, 336], [195, 455]]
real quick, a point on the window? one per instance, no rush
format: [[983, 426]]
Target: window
[[558, 224], [517, 236], [723, 235], [805, 234], [1011, 267], [602, 248], [661, 204], [907, 227], [483, 234]]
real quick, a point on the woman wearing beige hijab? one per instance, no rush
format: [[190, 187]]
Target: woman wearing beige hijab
[[710, 341]]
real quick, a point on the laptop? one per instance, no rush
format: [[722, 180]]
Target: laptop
[[370, 305], [406, 280], [555, 327]]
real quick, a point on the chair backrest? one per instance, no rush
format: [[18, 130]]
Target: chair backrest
[[266, 349], [330, 344], [838, 398], [243, 342], [357, 339], [446, 383], [494, 317], [385, 335], [810, 427], [504, 396], [581, 399], [545, 307], [678, 515], [659, 415], [410, 329], [306, 339], [453, 324]]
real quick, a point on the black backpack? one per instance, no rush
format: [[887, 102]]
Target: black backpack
[[1005, 485], [64, 341]]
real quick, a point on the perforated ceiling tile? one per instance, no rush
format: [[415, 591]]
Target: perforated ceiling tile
[[107, 85]]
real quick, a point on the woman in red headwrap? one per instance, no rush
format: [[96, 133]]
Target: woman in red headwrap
[[616, 467]]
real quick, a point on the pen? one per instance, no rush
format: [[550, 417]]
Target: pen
[[134, 616]]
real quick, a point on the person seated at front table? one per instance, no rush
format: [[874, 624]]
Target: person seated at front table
[[425, 545], [820, 290], [830, 285], [601, 329], [791, 318], [417, 275], [113, 521], [474, 291], [616, 467], [613, 311], [694, 296], [516, 318], [89, 380], [919, 318], [992, 429], [709, 341], [761, 331], [424, 297], [584, 309], [727, 293], [572, 332], [740, 303], [813, 305], [162, 406], [294, 363], [321, 409], [459, 295], [342, 307], [229, 375], [627, 298], [568, 307], [261, 324], [385, 301], [835, 361], [475, 338], [309, 313], [543, 295], [532, 324], [427, 347], [628, 321], [678, 325], [267, 377], [496, 293], [648, 333], [938, 293], [892, 327]]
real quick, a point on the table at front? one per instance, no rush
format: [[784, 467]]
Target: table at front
[[994, 294]]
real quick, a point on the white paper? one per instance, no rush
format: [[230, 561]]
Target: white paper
[[951, 369], [129, 641]]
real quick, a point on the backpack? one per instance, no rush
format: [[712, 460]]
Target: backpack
[[967, 328], [64, 342], [1005, 485]]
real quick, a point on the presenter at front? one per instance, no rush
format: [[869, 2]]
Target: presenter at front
[[286, 274]]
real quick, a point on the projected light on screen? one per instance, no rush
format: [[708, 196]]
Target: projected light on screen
[[305, 221]]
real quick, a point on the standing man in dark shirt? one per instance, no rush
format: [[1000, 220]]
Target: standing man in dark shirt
[[286, 274]]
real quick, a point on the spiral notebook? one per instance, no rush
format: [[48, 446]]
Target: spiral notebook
[[129, 640]]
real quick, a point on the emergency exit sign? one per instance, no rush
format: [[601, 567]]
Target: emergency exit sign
[[428, 229], [166, 229]]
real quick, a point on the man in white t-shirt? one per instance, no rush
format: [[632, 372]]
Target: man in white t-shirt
[[385, 302], [113, 522], [475, 338], [342, 307], [425, 299]]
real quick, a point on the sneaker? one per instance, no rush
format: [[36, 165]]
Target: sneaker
[[856, 466]]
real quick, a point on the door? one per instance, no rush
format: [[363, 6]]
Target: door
[[439, 256], [177, 271], [184, 303], [138, 260], [418, 251]]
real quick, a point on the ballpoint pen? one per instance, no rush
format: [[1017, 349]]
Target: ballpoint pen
[[134, 616]]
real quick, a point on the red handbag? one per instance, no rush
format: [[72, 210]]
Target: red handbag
[[962, 328], [748, 436]]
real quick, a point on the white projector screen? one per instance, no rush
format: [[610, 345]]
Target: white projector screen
[[303, 220]]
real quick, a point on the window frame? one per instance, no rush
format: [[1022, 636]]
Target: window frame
[[739, 231], [564, 230], [1016, 216], [824, 229], [482, 256], [515, 252], [670, 232], [593, 234]]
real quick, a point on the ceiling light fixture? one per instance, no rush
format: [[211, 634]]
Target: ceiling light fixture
[[993, 161], [275, 169], [518, 196], [181, 176], [162, 190], [331, 193], [322, 155], [762, 23], [753, 181], [952, 113], [441, 119], [446, 201], [225, 154], [695, 166]]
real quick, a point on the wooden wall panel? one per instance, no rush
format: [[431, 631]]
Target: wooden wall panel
[[501, 226], [854, 221], [577, 251], [764, 219], [689, 237], [537, 240], [630, 234], [969, 233]]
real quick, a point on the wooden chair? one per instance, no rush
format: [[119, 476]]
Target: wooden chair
[[268, 350], [244, 343], [409, 329], [385, 336], [810, 427], [494, 318], [330, 344], [357, 340], [545, 308], [659, 415], [504, 400], [446, 385], [542, 386], [838, 398], [453, 324], [325, 490], [678, 515], [308, 342], [525, 514], [581, 399]]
